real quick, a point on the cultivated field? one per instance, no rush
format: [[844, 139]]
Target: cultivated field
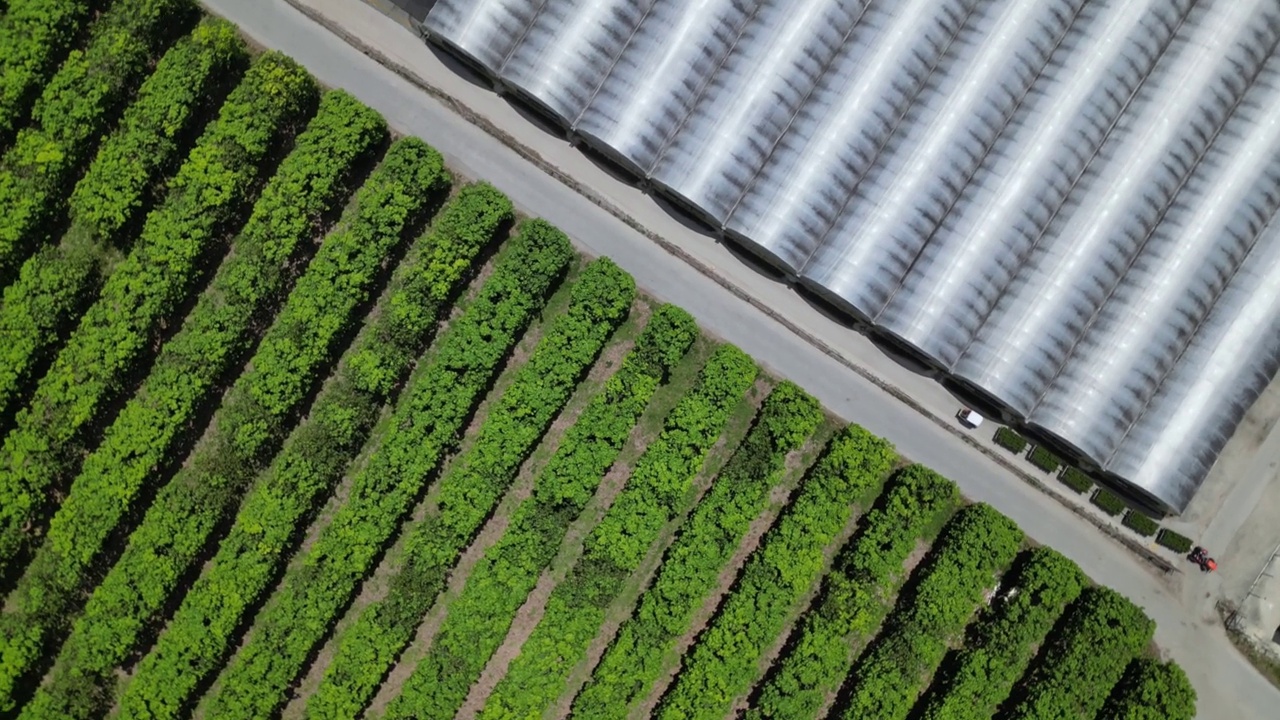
[[297, 423]]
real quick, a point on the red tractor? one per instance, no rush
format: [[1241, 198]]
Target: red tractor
[[1200, 556]]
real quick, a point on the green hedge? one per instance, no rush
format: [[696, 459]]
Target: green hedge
[[1140, 523], [473, 485], [659, 485], [1152, 690], [1076, 669], [1001, 644], [1110, 503], [425, 427], [502, 579], [215, 335], [1043, 459], [1075, 479], [1174, 541], [886, 681], [313, 458], [851, 604], [1010, 440], [35, 35], [81, 102], [724, 663], [705, 541], [59, 281]]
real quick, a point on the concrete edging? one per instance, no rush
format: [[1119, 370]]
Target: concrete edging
[[533, 157]]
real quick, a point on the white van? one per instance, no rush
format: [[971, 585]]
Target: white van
[[969, 418]]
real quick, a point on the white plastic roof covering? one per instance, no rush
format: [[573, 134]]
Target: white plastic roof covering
[[1070, 204]]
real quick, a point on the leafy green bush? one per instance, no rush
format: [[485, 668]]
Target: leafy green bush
[[1140, 523], [1077, 668], [851, 604], [502, 579], [1075, 479], [59, 281], [705, 542], [313, 458], [658, 486], [724, 662], [976, 544], [425, 427], [217, 331], [1010, 440], [35, 35], [1000, 646], [1152, 690], [1174, 541], [474, 484], [1043, 459], [145, 290], [1110, 503], [80, 103]]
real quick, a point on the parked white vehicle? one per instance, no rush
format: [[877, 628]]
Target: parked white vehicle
[[969, 418]]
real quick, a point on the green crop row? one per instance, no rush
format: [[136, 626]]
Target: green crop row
[[321, 306], [425, 427], [500, 582], [1151, 690], [145, 290], [35, 35], [469, 491], [312, 460], [59, 281], [1075, 671], [1000, 647], [308, 183], [81, 102], [705, 541], [852, 602], [977, 544], [725, 662], [659, 485]]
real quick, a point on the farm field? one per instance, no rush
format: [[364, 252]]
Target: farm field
[[298, 423]]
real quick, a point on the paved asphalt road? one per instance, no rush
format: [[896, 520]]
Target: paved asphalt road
[[1228, 686]]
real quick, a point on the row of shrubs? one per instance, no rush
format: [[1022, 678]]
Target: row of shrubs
[[706, 540], [215, 334], [724, 662], [499, 583], [655, 493], [312, 460], [476, 480], [426, 425], [35, 35]]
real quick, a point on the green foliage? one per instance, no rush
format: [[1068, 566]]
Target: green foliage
[[80, 103], [59, 281], [724, 663], [1075, 479], [1140, 523], [852, 602], [1076, 669], [659, 485], [476, 480], [1010, 440], [35, 35], [425, 427], [218, 330], [976, 545], [1174, 541], [1152, 690], [974, 683], [1109, 502], [705, 542], [313, 458], [1043, 459], [145, 290], [502, 579]]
